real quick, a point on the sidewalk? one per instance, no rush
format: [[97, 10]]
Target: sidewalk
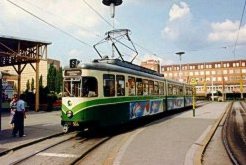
[[171, 140], [38, 125]]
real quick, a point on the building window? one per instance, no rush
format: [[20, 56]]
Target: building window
[[191, 73], [225, 71], [213, 72], [231, 71], [207, 72], [237, 70], [201, 72], [243, 63]]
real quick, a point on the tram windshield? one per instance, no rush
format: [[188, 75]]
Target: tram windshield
[[72, 87], [80, 87]]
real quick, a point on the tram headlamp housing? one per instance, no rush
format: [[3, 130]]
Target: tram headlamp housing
[[69, 114]]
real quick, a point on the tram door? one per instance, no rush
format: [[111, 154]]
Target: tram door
[[1, 100]]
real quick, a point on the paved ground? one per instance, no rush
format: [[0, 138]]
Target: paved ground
[[38, 125], [167, 141]]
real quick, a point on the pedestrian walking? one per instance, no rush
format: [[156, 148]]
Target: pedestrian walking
[[19, 118], [13, 109]]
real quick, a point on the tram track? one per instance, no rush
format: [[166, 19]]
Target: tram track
[[234, 133], [68, 149], [21, 153]]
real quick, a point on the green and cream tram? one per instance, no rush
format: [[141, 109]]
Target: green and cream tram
[[111, 91]]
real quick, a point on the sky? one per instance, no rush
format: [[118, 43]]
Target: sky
[[205, 30]]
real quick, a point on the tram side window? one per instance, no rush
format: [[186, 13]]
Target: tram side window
[[180, 90], [120, 83], [145, 87], [151, 87], [132, 86], [89, 87], [188, 91], [161, 88], [109, 85], [139, 84], [175, 90], [170, 89], [156, 88]]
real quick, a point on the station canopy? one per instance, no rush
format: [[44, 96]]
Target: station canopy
[[16, 51]]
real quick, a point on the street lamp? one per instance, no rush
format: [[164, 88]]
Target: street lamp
[[180, 54], [112, 4]]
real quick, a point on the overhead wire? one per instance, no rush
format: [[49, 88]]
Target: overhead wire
[[97, 13], [54, 26], [240, 24], [103, 18], [51, 13]]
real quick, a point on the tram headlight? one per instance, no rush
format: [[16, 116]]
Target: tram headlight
[[69, 114]]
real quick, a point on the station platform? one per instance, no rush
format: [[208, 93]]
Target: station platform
[[172, 140], [38, 125]]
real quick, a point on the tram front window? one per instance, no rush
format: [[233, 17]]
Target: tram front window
[[72, 87]]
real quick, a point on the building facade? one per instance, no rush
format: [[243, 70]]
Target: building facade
[[29, 73], [223, 76], [152, 64]]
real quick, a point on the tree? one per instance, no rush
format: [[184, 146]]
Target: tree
[[28, 85], [58, 84], [32, 84], [41, 81], [51, 77]]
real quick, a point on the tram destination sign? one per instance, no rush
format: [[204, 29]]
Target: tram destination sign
[[72, 73]]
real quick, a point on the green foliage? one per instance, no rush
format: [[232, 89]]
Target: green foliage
[[32, 84], [51, 78], [51, 98], [43, 93], [41, 81], [28, 85], [58, 82]]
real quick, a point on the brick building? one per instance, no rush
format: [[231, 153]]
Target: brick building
[[223, 76], [152, 64]]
